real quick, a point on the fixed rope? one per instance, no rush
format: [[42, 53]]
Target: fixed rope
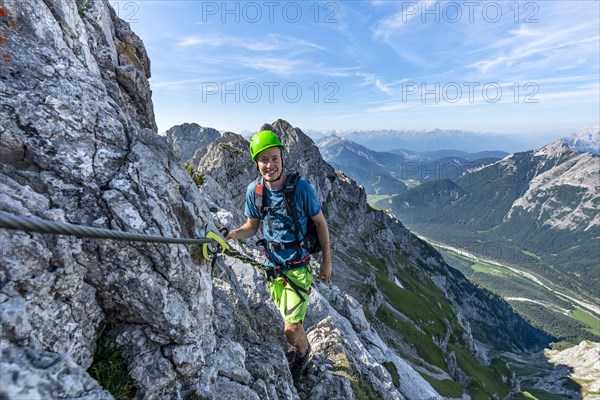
[[212, 243], [15, 222]]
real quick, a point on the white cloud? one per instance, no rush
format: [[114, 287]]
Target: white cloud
[[372, 80], [272, 42], [390, 26], [535, 46], [195, 41]]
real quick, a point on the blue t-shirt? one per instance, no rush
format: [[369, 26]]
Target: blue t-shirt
[[277, 225]]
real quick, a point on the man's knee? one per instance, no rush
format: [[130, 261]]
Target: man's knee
[[293, 328], [293, 331]]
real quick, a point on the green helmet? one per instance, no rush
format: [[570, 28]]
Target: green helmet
[[263, 140]]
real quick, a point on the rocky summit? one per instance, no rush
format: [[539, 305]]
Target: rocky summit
[[186, 138], [79, 144]]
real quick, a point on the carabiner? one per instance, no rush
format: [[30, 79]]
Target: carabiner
[[216, 248]]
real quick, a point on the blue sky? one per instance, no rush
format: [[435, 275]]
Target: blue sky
[[515, 67]]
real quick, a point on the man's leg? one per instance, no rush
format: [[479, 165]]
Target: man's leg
[[297, 337], [298, 356]]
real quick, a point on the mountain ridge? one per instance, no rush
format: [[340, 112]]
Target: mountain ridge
[[537, 210], [387, 173], [432, 140], [585, 140]]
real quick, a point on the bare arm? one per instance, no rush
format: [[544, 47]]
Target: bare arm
[[323, 232], [245, 231]]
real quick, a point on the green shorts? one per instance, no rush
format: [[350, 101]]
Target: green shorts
[[291, 307]]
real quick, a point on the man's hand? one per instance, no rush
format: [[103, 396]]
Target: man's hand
[[245, 231], [325, 271], [231, 234]]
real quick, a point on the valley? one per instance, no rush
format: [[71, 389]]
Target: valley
[[522, 225], [553, 308]]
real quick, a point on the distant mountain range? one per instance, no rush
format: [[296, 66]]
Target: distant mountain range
[[432, 140], [586, 139], [542, 207], [392, 172], [367, 167]]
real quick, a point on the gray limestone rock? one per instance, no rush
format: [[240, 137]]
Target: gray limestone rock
[[186, 138], [80, 142], [26, 373], [227, 160]]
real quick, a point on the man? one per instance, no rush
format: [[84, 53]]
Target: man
[[290, 276]]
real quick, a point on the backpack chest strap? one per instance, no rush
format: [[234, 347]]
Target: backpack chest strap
[[276, 247]]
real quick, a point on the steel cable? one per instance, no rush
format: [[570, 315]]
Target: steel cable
[[15, 222], [29, 224]]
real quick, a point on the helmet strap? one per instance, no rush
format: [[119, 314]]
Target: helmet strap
[[274, 180]]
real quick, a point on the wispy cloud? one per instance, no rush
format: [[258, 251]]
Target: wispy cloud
[[388, 27], [272, 42], [372, 80], [537, 46], [503, 93], [389, 30]]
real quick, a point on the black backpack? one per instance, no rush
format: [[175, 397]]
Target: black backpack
[[311, 240]]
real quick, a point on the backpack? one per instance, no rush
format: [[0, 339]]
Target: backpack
[[311, 240]]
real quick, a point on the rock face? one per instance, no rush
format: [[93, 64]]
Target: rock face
[[226, 161], [576, 173], [79, 145], [186, 138], [579, 364], [29, 374]]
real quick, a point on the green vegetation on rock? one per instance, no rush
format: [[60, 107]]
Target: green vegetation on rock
[[362, 388], [486, 381], [110, 370]]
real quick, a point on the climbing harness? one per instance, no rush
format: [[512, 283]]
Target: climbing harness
[[220, 246], [280, 271]]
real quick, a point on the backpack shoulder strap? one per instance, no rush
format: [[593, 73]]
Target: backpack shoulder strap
[[289, 192], [259, 192], [291, 181]]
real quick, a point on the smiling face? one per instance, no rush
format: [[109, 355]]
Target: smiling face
[[270, 163]]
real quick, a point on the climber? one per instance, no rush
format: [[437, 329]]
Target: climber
[[289, 276]]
